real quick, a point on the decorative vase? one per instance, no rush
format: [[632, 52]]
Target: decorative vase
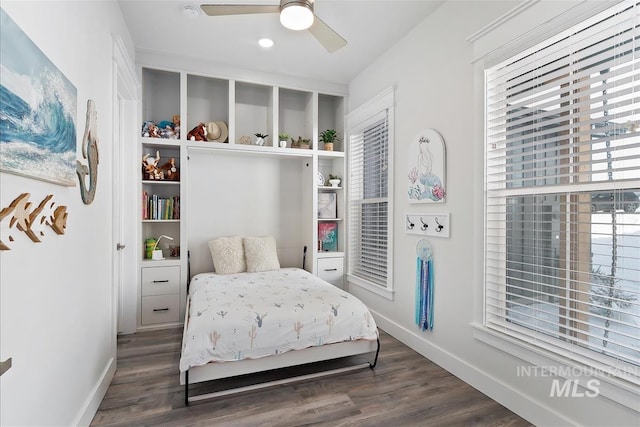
[[260, 141], [328, 146], [283, 144], [334, 182]]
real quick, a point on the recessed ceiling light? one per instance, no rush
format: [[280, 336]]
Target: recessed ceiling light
[[265, 42], [190, 11]]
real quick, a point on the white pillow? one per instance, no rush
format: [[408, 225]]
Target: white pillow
[[260, 254], [228, 255]]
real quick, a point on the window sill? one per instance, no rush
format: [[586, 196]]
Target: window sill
[[624, 392], [376, 289]]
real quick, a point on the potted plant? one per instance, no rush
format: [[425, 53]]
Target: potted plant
[[283, 137], [301, 143], [334, 180], [260, 137], [329, 137]]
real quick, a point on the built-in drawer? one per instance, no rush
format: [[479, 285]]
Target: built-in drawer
[[160, 309], [332, 270], [160, 280]]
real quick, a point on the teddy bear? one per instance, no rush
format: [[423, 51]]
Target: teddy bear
[[198, 133]]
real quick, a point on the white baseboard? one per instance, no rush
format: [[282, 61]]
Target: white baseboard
[[523, 405], [91, 405]]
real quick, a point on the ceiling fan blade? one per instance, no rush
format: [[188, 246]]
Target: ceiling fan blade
[[238, 9], [327, 37]]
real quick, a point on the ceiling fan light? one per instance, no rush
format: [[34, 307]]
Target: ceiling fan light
[[296, 16]]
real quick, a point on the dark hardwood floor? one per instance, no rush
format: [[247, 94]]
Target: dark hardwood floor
[[405, 389]]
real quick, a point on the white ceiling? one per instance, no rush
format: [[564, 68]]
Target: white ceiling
[[159, 27]]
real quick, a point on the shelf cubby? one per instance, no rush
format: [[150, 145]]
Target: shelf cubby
[[160, 95], [207, 101], [331, 113], [295, 114], [253, 112]]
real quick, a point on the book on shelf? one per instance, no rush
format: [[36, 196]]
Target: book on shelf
[[328, 236], [155, 207]]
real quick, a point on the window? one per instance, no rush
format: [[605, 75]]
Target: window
[[369, 196], [562, 163]]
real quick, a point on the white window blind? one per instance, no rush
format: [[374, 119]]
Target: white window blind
[[562, 265], [369, 206]]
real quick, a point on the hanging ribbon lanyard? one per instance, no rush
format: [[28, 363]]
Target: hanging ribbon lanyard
[[424, 285]]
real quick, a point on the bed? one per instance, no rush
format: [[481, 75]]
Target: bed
[[241, 321]]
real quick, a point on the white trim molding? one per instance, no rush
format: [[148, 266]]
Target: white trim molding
[[512, 398], [93, 401], [522, 32], [621, 392], [501, 20], [376, 289]]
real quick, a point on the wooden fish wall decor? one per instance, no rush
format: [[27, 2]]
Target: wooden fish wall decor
[[30, 221], [89, 152]]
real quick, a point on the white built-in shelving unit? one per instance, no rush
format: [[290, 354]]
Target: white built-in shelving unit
[[230, 188]]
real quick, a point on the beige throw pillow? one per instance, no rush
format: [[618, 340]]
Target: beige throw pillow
[[260, 254], [228, 255]]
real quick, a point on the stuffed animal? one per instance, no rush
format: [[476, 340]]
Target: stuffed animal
[[176, 125], [198, 133], [168, 133], [154, 131], [150, 167], [170, 170], [167, 130], [146, 126]]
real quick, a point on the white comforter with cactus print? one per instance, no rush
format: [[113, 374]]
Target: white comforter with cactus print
[[251, 315]]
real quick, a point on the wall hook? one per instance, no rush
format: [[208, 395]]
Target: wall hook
[[410, 224], [428, 224]]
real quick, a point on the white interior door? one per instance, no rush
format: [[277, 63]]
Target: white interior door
[[125, 277]]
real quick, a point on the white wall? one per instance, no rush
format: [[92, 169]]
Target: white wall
[[245, 195], [56, 297], [433, 74]]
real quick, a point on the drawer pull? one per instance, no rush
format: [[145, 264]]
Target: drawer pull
[[161, 281], [330, 269], [161, 309]]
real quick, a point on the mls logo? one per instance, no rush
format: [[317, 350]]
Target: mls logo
[[571, 388]]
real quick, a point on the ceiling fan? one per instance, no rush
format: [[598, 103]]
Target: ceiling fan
[[294, 14]]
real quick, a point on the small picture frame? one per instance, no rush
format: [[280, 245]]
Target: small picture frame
[[327, 205]]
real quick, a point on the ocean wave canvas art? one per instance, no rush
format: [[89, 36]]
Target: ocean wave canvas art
[[37, 111]]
